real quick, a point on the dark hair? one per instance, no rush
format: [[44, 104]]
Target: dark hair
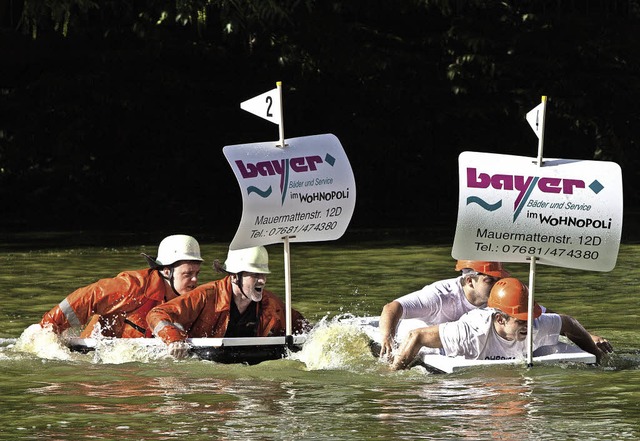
[[473, 275]]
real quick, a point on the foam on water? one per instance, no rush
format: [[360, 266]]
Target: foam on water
[[46, 344], [109, 351], [7, 341]]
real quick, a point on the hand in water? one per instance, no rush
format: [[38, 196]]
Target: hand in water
[[178, 349], [386, 348], [602, 344]]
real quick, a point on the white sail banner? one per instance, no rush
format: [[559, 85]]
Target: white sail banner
[[567, 213], [305, 191]]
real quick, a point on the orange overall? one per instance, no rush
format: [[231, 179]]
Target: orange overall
[[204, 312], [120, 304]]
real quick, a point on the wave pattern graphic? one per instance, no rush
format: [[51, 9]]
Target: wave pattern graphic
[[483, 204], [259, 192]]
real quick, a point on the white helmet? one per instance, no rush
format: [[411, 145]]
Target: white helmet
[[178, 247], [252, 260]]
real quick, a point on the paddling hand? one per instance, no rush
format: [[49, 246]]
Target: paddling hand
[[600, 355], [404, 356], [602, 344], [386, 348], [178, 349]]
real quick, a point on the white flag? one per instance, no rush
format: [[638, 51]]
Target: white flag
[[265, 106], [535, 117]]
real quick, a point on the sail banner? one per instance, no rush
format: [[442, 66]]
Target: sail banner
[[567, 213], [305, 191]]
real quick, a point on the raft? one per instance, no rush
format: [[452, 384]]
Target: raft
[[247, 350], [437, 363]]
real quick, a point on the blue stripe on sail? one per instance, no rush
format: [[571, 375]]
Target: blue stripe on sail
[[483, 204], [262, 193]]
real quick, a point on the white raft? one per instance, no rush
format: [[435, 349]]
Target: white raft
[[249, 350], [435, 362]]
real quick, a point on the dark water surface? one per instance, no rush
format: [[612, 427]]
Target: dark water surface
[[335, 388]]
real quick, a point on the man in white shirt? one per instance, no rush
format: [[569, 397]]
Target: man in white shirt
[[497, 332], [440, 302]]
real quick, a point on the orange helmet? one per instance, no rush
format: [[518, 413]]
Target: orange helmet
[[493, 269], [511, 296]]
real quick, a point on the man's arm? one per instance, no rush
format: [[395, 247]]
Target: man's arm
[[601, 342], [428, 336], [104, 297], [164, 322], [171, 333], [391, 314], [574, 331]]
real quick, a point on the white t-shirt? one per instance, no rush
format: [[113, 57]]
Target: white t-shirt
[[475, 338], [440, 302]]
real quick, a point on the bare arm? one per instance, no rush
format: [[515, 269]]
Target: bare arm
[[428, 336], [391, 314], [601, 342], [575, 332]]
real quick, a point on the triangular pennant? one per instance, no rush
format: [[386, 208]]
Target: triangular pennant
[[535, 119], [266, 105]]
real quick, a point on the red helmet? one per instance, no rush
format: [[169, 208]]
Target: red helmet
[[493, 269], [511, 296]]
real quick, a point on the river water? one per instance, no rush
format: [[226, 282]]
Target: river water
[[334, 388]]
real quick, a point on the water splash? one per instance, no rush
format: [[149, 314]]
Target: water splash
[[46, 344], [332, 344], [119, 351], [123, 350], [42, 342]]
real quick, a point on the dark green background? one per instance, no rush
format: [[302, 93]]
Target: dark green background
[[113, 114]]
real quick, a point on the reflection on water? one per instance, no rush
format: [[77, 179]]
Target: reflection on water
[[334, 388]]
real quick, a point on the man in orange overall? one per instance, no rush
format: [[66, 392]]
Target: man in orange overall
[[117, 307], [235, 306]]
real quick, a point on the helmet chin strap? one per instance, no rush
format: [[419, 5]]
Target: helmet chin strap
[[171, 279], [239, 284]]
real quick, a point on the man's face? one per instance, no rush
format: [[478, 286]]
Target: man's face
[[483, 285], [253, 285], [185, 276], [514, 329]]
